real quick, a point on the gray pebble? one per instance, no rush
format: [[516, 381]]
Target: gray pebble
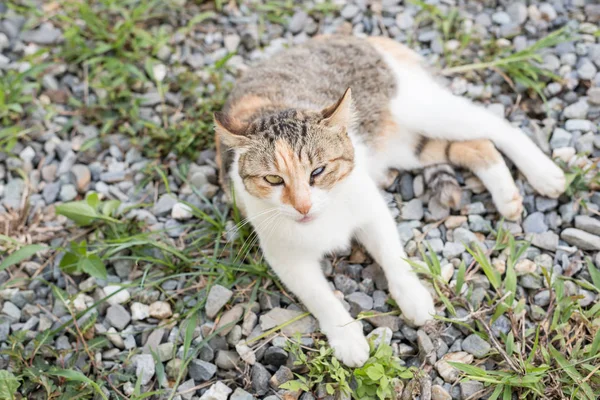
[[475, 345]]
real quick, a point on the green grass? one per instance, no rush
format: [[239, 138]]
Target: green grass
[[522, 67], [557, 357]]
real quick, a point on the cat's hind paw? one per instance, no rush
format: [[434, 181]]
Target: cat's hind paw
[[349, 344], [548, 179]]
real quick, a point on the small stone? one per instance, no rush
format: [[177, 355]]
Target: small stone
[[581, 239], [412, 210], [448, 372], [229, 319], [475, 345], [118, 316], [542, 298], [181, 212], [464, 236], [298, 22], [275, 356], [173, 368], [116, 294], [68, 192], [241, 394], [217, 298], [165, 351], [586, 70], [535, 223], [164, 205], [576, 110], [144, 367], [139, 311], [246, 353], [588, 224], [426, 349], [501, 18], [11, 310], [447, 272], [452, 250], [345, 284], [579, 125], [260, 379], [469, 389], [439, 393], [525, 267], [517, 12], [454, 221], [160, 310], [83, 177], [186, 390], [380, 335], [547, 240], [359, 302], [46, 34], [350, 11], [531, 281], [283, 375], [278, 316], [218, 391], [201, 371]]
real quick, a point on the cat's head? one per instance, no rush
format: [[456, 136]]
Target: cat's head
[[292, 159]]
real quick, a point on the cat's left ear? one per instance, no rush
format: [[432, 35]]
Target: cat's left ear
[[230, 131], [340, 113]]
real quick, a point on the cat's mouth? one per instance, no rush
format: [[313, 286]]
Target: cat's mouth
[[306, 219]]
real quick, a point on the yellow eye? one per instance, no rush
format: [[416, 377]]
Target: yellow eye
[[274, 179]]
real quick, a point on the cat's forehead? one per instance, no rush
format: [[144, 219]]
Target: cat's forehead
[[290, 125]]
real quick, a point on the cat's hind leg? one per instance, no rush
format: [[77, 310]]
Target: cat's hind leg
[[422, 105], [481, 157]]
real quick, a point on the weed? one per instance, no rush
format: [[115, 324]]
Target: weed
[[380, 378], [557, 357]]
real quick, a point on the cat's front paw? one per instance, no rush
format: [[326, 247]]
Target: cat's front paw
[[547, 178], [349, 344], [414, 300]]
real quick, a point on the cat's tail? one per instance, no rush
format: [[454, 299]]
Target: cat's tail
[[441, 179]]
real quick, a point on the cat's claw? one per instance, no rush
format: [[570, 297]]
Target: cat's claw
[[349, 344], [414, 300]]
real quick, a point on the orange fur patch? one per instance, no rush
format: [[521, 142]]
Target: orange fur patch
[[474, 154], [386, 129], [398, 51], [296, 191], [248, 106]]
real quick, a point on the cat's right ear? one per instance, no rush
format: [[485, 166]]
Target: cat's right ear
[[230, 131]]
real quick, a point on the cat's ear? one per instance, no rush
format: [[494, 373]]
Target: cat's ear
[[340, 113], [230, 131]]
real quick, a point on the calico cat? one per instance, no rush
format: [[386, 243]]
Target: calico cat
[[305, 139]]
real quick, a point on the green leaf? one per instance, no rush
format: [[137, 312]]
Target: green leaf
[[109, 207], [594, 273], [375, 372], [510, 343], [595, 345], [76, 376], [22, 254], [460, 277], [189, 333], [572, 372], [93, 200], [93, 266], [8, 385], [69, 263], [81, 213]]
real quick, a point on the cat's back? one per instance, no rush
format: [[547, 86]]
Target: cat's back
[[314, 75]]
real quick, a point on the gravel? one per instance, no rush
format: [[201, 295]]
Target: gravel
[[69, 158]]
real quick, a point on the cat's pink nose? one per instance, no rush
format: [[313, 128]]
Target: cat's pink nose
[[303, 207]]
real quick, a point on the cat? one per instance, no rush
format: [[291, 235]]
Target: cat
[[305, 140]]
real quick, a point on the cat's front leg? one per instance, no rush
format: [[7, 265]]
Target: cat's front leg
[[380, 237], [304, 277]]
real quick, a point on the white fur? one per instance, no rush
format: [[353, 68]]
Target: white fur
[[355, 207]]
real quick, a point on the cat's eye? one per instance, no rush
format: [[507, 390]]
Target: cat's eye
[[274, 179], [317, 172]]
